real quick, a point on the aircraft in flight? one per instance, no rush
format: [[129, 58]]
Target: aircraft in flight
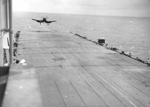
[[44, 20]]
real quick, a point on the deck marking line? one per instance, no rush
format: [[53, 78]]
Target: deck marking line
[[60, 94], [117, 90], [77, 93]]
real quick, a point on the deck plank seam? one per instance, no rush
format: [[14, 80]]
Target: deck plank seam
[[142, 73], [91, 87], [104, 86], [115, 90], [121, 88], [78, 93], [131, 84], [60, 94], [76, 66]]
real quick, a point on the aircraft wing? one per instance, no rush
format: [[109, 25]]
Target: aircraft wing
[[49, 21], [40, 21]]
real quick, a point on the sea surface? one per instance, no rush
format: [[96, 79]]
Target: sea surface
[[129, 34]]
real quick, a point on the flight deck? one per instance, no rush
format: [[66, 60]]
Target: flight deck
[[64, 70]]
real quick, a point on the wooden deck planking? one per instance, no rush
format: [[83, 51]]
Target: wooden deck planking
[[66, 76], [107, 97], [88, 95], [124, 60], [136, 74], [37, 60], [144, 99], [74, 72], [92, 59], [49, 92], [131, 79], [22, 88], [68, 92], [138, 95], [118, 91], [141, 70]]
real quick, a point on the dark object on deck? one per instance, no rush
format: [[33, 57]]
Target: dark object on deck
[[139, 60], [122, 52], [3, 81], [148, 62], [128, 54], [102, 40], [43, 21], [114, 49]]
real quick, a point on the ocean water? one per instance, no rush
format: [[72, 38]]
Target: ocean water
[[130, 34]]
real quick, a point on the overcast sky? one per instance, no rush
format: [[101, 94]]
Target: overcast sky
[[97, 7]]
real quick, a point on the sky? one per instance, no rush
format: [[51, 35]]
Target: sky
[[92, 7]]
